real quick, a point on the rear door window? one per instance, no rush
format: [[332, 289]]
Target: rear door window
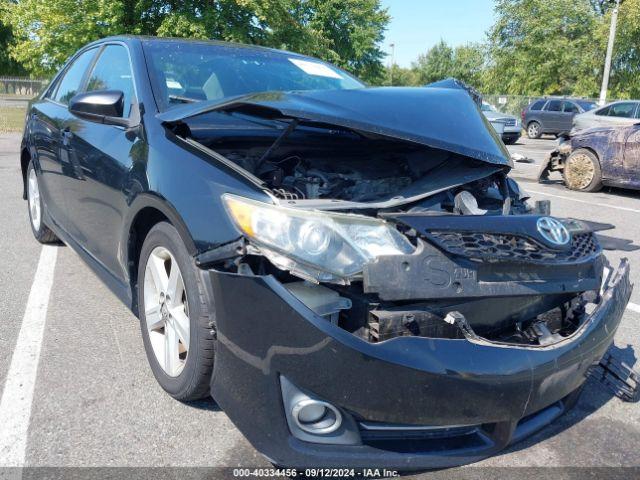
[[112, 71], [603, 112], [570, 107], [554, 106], [71, 82]]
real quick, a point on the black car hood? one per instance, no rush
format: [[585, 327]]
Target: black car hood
[[440, 117]]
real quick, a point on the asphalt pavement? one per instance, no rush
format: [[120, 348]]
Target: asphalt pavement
[[95, 402]]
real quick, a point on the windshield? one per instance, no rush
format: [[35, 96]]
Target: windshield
[[184, 72], [487, 107], [586, 105]]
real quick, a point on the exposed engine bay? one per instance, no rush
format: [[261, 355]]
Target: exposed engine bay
[[462, 254], [295, 177], [320, 162]]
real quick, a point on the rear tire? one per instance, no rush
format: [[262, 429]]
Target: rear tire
[[41, 232], [582, 171], [534, 130], [174, 316]]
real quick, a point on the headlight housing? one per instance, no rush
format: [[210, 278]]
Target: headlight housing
[[317, 246]]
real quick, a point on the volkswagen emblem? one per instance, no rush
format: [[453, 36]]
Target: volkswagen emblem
[[553, 231]]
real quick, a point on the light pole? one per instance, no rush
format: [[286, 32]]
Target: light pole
[[607, 61], [393, 61]]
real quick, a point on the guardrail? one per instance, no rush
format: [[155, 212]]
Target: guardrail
[[20, 86]]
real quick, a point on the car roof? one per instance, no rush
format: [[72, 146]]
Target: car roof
[[568, 99], [621, 101]]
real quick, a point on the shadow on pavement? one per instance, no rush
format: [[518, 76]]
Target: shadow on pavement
[[205, 404]]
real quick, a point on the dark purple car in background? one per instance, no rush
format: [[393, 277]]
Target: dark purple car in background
[[597, 157]]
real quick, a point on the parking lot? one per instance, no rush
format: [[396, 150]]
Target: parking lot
[[95, 402]]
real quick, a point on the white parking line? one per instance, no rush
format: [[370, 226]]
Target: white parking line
[[634, 307], [597, 204], [15, 406]]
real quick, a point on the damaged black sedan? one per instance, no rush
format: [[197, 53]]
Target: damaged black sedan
[[348, 271]]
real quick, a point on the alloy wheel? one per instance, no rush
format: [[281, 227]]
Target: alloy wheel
[[166, 311], [533, 130], [33, 195], [579, 171]]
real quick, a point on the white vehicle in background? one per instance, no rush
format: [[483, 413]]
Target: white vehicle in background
[[622, 113], [507, 126]]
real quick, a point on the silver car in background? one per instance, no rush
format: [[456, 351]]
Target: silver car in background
[[622, 113], [508, 126]]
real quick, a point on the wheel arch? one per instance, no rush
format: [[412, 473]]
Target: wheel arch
[[146, 211], [589, 149]]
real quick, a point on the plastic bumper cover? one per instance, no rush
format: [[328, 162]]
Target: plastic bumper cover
[[501, 393]]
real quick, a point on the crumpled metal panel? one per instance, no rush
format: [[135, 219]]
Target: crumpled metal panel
[[440, 117]]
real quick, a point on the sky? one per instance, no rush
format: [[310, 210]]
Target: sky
[[417, 25]]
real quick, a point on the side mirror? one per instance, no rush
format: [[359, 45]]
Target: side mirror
[[101, 106]]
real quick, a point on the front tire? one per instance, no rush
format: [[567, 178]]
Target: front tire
[[174, 317], [534, 130], [582, 171], [41, 232]]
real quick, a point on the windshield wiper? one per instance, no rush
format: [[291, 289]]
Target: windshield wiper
[[181, 99]]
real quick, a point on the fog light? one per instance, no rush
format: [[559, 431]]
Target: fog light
[[314, 416], [313, 420]]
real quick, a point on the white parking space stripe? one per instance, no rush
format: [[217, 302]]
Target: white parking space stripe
[[634, 307], [626, 209], [15, 406]]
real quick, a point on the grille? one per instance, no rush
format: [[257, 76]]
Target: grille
[[505, 247], [508, 122]]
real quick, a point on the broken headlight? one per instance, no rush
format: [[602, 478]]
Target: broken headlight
[[318, 246]]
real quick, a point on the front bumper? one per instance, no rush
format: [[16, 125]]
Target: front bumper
[[500, 393], [510, 136]]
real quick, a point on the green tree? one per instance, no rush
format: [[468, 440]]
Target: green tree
[[435, 64], [400, 77], [465, 62], [346, 32], [46, 33], [625, 70], [8, 66], [545, 47]]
